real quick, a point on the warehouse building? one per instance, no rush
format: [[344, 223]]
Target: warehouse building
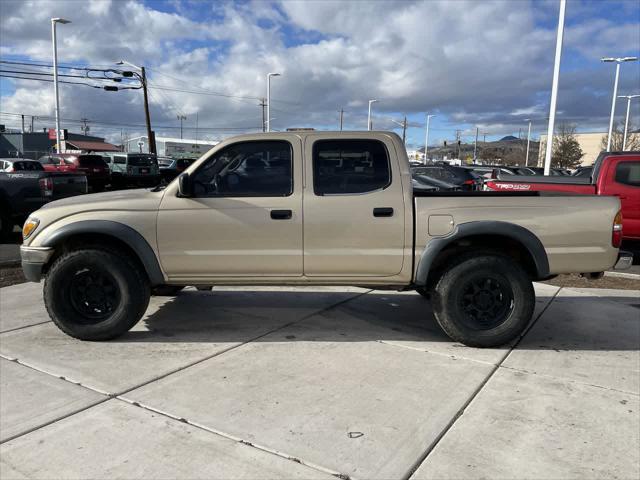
[[170, 147]]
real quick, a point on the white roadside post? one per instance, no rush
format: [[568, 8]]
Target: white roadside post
[[269, 75], [554, 88], [369, 117], [626, 120], [55, 21], [426, 139], [618, 61]]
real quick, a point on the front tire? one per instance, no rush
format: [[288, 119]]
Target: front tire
[[95, 294], [484, 301]]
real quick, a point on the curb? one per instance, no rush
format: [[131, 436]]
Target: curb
[[631, 276]]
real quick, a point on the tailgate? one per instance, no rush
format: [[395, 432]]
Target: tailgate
[[68, 184]]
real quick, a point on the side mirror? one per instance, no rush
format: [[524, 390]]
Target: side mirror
[[184, 185]]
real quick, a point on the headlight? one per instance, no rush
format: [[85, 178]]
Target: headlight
[[29, 226]]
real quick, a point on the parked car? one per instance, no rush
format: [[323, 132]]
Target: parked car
[[236, 217], [170, 168], [133, 169], [25, 191], [616, 174], [486, 171], [460, 176], [10, 165], [91, 165], [438, 185]]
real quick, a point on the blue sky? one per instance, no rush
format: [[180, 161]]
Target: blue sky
[[485, 64]]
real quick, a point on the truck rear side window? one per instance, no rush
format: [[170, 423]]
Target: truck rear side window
[[342, 167], [628, 173]]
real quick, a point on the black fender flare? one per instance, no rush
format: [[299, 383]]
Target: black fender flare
[[505, 229], [118, 230]]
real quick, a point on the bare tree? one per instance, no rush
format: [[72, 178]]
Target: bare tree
[[617, 139]]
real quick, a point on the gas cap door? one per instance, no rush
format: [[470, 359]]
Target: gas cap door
[[440, 225]]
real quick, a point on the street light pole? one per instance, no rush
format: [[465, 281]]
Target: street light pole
[[426, 139], [55, 21], [369, 116], [142, 76], [626, 120], [618, 61], [269, 75], [526, 161], [554, 88], [181, 118]]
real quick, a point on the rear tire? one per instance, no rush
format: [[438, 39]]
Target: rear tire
[[484, 301], [95, 293]]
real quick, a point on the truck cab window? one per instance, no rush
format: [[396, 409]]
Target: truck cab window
[[248, 169], [628, 173], [350, 167]]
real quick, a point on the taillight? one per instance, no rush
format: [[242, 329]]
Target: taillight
[[46, 186], [469, 182], [616, 234]]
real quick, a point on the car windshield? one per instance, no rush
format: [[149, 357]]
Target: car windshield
[[91, 161], [141, 160], [28, 166], [165, 162]]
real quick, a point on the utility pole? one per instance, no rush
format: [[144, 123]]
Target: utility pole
[[484, 137], [54, 22], [458, 132], [475, 146], [404, 130], [626, 121], [263, 103], [426, 139], [22, 130], [142, 76], [181, 118], [31, 131], [341, 115], [617, 61], [269, 75], [196, 127]]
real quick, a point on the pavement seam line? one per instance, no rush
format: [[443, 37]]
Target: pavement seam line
[[451, 356], [475, 393], [570, 380], [24, 326], [240, 344], [229, 436], [70, 414]]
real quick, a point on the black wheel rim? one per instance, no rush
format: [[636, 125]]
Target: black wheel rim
[[94, 294], [485, 301]]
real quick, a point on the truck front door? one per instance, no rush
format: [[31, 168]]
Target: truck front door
[[244, 217], [622, 179], [354, 212]]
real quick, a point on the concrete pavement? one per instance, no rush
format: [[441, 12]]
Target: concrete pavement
[[310, 383]]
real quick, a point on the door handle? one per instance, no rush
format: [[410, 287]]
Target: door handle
[[383, 212], [281, 214]]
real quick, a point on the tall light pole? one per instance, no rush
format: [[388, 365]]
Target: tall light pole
[[526, 161], [55, 21], [426, 138], [617, 61], [369, 116], [181, 118], [151, 139], [626, 120], [554, 88], [269, 75]]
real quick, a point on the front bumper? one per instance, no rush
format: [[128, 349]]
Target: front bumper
[[625, 260], [33, 259]]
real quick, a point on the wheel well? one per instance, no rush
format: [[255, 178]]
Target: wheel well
[[490, 244], [88, 240]]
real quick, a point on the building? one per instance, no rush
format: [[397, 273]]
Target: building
[[170, 147], [35, 144], [590, 143]]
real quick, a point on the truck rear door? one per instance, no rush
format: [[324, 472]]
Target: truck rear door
[[621, 178], [354, 212]]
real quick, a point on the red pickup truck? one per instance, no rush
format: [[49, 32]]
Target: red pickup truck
[[616, 174]]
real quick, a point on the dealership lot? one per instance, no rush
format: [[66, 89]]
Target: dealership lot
[[310, 383]]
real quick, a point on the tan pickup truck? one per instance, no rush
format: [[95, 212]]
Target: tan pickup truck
[[313, 208]]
